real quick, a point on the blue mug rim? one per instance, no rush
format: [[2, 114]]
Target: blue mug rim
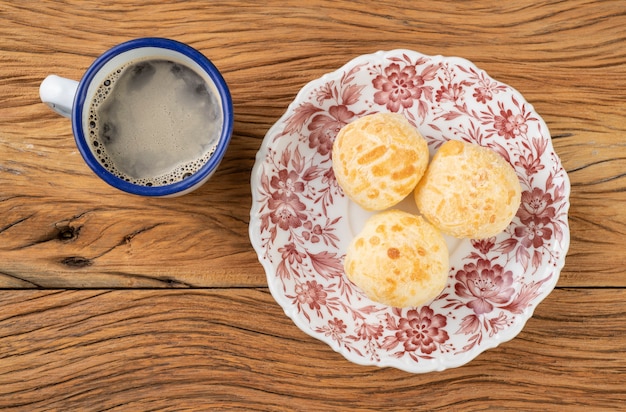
[[82, 141]]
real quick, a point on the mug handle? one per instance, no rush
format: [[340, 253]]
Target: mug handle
[[58, 93]]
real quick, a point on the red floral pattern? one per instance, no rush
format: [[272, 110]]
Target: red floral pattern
[[300, 223], [324, 127], [484, 285], [311, 293], [420, 332], [510, 125]]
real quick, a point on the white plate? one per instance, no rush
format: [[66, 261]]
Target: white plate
[[301, 222]]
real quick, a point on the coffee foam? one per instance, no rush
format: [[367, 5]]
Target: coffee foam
[[150, 135]]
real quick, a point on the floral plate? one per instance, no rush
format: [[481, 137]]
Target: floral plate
[[301, 222]]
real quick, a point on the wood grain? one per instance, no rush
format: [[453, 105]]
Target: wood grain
[[188, 350], [565, 59], [115, 302]]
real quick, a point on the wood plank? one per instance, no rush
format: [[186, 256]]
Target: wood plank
[[566, 59], [235, 349]]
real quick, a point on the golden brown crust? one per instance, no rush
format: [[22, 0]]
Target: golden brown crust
[[468, 191], [378, 159], [398, 259]]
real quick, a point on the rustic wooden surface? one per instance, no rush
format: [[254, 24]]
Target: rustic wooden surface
[[114, 302]]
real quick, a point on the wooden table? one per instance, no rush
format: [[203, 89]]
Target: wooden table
[[115, 302]]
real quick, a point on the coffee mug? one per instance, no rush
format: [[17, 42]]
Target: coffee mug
[[151, 116]]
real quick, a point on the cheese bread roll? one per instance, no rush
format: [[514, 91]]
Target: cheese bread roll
[[468, 191], [398, 259], [378, 160]]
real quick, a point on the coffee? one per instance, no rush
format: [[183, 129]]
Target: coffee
[[154, 122]]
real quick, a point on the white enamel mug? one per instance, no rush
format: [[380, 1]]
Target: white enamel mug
[[72, 99]]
